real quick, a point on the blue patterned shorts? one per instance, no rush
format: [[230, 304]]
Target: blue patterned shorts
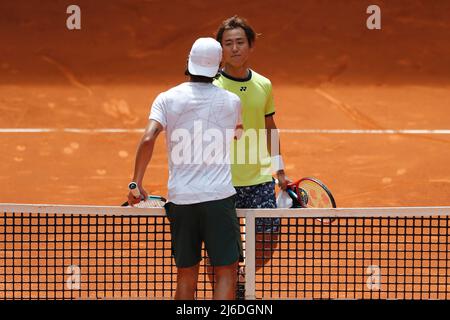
[[259, 196]]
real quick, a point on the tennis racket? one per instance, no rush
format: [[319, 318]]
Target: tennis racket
[[311, 193], [152, 201]]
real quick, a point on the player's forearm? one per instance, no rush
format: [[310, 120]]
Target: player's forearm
[[272, 138], [274, 149], [145, 150], [143, 157]]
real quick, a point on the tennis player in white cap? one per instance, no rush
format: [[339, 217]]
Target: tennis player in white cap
[[198, 117]]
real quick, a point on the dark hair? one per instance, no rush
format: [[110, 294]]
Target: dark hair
[[199, 78], [233, 23]]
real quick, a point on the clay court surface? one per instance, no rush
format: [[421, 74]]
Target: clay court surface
[[61, 90]]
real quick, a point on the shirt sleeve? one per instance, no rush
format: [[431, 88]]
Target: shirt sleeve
[[158, 110], [270, 107]]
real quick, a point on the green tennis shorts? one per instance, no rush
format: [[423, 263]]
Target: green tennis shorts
[[213, 222]]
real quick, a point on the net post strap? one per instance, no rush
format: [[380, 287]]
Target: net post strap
[[250, 270]]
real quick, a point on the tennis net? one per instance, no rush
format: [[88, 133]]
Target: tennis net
[[88, 252]]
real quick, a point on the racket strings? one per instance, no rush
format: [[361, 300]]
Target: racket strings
[[317, 197], [151, 202]]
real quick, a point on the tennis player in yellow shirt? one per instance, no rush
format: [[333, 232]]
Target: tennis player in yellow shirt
[[255, 159]]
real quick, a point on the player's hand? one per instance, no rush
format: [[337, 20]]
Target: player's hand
[[132, 200], [282, 180]]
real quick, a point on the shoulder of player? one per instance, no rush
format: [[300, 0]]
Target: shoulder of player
[[171, 92], [174, 90], [260, 78], [231, 95]]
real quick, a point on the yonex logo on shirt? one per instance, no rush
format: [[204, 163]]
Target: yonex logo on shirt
[[243, 89]]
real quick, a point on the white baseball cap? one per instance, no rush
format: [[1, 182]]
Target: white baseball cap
[[205, 57]]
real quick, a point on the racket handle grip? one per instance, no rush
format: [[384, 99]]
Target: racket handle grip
[[132, 186], [276, 180]]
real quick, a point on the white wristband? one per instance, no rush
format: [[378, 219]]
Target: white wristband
[[277, 163]]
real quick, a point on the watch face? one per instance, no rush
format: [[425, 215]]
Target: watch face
[[132, 185]]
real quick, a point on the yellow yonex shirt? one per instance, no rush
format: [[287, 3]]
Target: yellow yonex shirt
[[249, 156]]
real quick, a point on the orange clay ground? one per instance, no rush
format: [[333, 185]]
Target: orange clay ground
[[328, 72]]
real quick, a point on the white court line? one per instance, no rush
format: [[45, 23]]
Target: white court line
[[110, 130], [351, 131], [301, 131], [68, 130]]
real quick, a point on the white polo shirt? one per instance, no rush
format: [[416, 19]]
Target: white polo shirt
[[199, 120]]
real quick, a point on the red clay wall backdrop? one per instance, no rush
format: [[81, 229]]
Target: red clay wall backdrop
[[328, 71]]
